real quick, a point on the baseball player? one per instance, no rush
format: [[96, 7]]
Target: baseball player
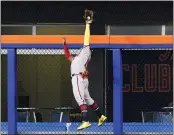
[[79, 76]]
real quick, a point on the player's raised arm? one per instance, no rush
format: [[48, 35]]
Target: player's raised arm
[[89, 18], [86, 52], [66, 51], [87, 34]]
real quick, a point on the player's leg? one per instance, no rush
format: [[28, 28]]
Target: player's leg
[[94, 106], [78, 91]]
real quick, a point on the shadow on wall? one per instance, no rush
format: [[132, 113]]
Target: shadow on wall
[[45, 79]]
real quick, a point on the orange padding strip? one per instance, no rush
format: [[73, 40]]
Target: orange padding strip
[[98, 39]]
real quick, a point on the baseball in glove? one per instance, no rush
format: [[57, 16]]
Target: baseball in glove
[[88, 16]]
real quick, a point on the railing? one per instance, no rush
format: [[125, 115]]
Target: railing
[[78, 29], [42, 29]]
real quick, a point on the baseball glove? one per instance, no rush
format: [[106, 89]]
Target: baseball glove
[[88, 16]]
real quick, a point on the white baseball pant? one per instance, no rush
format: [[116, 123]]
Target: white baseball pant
[[80, 90]]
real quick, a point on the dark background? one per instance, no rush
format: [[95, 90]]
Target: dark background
[[120, 13], [107, 13]]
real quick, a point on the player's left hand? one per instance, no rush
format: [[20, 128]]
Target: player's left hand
[[88, 16]]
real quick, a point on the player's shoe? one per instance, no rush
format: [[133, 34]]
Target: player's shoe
[[84, 125], [101, 120]]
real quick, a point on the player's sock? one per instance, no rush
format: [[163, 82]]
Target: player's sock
[[84, 111], [85, 115], [96, 109]]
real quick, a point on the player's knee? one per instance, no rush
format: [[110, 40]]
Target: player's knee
[[83, 107], [94, 106], [89, 101]]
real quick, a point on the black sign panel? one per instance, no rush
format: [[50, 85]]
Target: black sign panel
[[147, 81]]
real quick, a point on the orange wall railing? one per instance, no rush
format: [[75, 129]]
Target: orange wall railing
[[103, 39]]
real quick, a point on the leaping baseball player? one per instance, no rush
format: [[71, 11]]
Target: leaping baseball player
[[79, 76]]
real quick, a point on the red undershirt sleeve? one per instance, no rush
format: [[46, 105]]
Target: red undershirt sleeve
[[66, 51]]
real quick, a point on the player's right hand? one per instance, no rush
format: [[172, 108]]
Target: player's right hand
[[64, 40]]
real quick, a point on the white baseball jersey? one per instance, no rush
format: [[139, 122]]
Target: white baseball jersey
[[79, 62], [80, 85]]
